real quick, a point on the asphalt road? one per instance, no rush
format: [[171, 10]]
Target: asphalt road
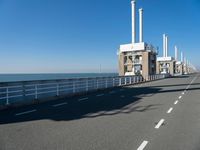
[[159, 115]]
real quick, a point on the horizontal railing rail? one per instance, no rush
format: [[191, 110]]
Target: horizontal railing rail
[[26, 91]]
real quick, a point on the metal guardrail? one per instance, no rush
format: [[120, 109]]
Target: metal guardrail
[[21, 92]]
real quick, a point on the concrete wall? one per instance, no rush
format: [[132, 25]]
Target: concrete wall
[[145, 64], [148, 63], [172, 67], [121, 64]]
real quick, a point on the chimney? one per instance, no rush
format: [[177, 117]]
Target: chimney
[[164, 45], [181, 56], [176, 53], [141, 25], [185, 60], [133, 2]]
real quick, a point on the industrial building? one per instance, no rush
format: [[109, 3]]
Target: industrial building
[[166, 64], [179, 64], [137, 58]]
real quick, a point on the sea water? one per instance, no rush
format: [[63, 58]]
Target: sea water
[[51, 76]]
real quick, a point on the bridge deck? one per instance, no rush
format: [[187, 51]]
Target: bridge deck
[[159, 115]]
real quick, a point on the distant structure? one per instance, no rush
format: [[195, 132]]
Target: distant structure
[[166, 64], [179, 64], [137, 58], [185, 66]]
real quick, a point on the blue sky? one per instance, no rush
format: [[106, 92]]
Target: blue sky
[[62, 36]]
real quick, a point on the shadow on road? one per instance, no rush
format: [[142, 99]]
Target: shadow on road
[[124, 102], [110, 104]]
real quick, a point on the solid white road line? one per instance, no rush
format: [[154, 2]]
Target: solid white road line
[[82, 99], [159, 123], [100, 95], [180, 97], [26, 112], [170, 110], [61, 104], [175, 102], [143, 145]]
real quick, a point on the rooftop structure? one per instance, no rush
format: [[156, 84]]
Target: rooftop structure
[[165, 64], [137, 58]]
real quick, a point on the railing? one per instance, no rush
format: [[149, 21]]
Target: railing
[[30, 91]]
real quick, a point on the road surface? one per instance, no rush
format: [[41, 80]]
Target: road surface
[[158, 115]]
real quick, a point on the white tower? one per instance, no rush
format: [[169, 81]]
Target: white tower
[[141, 25], [182, 57], [164, 45], [133, 3], [176, 53]]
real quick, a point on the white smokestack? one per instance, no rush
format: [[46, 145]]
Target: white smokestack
[[181, 56], [164, 45], [133, 2], [176, 53], [141, 25]]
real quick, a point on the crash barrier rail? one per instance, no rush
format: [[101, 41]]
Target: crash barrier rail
[[33, 91]]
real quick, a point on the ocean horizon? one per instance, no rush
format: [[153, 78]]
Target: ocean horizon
[[49, 76]]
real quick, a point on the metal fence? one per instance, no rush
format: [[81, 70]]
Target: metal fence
[[31, 91]]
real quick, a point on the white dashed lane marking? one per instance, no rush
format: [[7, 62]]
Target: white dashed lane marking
[[26, 112], [175, 102], [143, 145], [61, 104], [100, 95], [159, 123], [170, 110], [83, 99]]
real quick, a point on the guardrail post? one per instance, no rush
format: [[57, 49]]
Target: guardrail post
[[113, 82], [87, 84], [125, 81], [97, 84], [36, 92], [57, 89], [120, 81], [106, 83], [74, 86], [130, 80], [7, 96]]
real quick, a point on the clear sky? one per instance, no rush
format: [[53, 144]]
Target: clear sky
[[42, 36]]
